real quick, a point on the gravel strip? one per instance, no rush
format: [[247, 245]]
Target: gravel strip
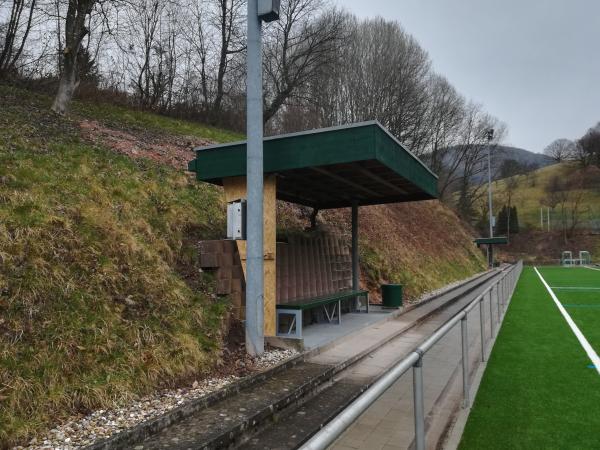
[[101, 424]]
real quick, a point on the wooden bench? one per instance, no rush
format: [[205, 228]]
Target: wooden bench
[[331, 304]]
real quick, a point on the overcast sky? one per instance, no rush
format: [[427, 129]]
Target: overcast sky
[[535, 64]]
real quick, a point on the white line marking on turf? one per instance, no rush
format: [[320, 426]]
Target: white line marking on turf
[[591, 268], [578, 334], [579, 288]]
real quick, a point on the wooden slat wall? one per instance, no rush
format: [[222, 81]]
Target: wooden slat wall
[[312, 266]]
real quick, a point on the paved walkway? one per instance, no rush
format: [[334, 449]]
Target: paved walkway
[[320, 334], [389, 423], [323, 335]]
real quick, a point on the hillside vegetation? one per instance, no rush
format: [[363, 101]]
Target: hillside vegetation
[[100, 297], [570, 192], [530, 192], [95, 304]]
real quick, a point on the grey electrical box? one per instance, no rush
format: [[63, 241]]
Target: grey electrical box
[[268, 10], [236, 220]]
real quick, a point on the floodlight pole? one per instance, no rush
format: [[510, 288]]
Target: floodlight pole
[[254, 181], [490, 136]]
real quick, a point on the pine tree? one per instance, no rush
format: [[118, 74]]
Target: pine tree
[[502, 221], [514, 220]]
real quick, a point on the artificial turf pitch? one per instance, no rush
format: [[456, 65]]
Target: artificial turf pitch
[[538, 390]]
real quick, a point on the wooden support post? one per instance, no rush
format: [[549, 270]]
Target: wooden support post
[[235, 188]]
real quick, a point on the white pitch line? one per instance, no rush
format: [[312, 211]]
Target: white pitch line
[[578, 334], [578, 288], [591, 268]]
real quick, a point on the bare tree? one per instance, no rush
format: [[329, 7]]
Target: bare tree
[[588, 148], [75, 30], [297, 46], [473, 156], [560, 150], [446, 114], [14, 33], [214, 33]]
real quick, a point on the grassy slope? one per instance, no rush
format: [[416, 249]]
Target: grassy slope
[[527, 197], [423, 246], [537, 391], [96, 300], [93, 308], [532, 245]]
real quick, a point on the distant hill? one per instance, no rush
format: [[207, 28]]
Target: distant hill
[[501, 153], [522, 156]]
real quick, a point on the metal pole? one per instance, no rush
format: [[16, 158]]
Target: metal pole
[[501, 286], [490, 136], [482, 329], [498, 299], [489, 161], [491, 314], [355, 266], [419, 408], [254, 181], [542, 218], [465, 361]]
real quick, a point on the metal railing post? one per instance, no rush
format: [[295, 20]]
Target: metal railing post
[[502, 293], [491, 313], [498, 299], [482, 328], [465, 360], [419, 408], [330, 432]]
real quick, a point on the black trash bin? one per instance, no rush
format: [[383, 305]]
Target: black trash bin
[[391, 295]]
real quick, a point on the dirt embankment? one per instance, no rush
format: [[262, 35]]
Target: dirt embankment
[[423, 245]]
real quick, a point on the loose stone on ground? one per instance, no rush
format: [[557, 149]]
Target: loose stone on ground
[[101, 424]]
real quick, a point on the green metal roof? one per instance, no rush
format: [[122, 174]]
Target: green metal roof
[[497, 240], [329, 167]]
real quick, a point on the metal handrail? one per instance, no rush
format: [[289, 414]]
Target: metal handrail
[[503, 287]]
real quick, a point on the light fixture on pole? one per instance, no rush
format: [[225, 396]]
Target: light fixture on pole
[[490, 137], [258, 11]]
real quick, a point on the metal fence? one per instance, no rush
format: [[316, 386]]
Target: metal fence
[[496, 295]]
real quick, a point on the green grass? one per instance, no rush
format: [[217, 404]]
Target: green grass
[[120, 116], [537, 391], [582, 305], [17, 101], [101, 299], [530, 193]]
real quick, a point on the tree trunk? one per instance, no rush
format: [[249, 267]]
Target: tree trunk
[[66, 88], [75, 31]]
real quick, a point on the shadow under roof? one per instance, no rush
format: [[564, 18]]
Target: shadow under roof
[[328, 167], [497, 240]]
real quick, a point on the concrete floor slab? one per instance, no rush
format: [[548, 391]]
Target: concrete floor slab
[[320, 334]]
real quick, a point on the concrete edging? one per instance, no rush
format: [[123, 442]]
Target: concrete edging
[[153, 426]]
